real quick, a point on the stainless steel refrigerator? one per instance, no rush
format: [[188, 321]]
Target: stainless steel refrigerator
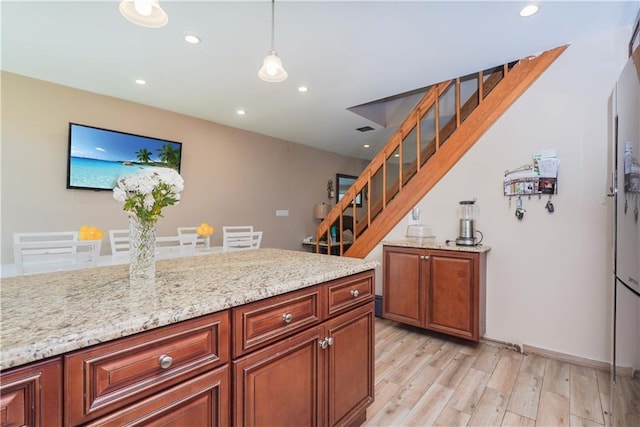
[[625, 390]]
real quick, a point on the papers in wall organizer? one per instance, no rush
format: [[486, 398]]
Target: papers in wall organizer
[[538, 178]]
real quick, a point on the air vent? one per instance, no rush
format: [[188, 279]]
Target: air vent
[[365, 129]]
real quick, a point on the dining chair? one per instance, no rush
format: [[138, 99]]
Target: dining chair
[[200, 241], [175, 246], [241, 240], [119, 241], [55, 255]]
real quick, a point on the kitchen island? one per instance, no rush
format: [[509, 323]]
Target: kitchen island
[[247, 307]]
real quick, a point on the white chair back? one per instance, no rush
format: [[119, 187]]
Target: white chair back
[[175, 246], [236, 236], [200, 241], [242, 240], [45, 236], [55, 255], [119, 241]]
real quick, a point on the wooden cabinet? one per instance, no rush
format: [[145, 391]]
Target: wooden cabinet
[[32, 395], [435, 289], [320, 376]]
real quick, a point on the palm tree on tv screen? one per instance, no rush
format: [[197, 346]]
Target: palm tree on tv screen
[[170, 155], [144, 155]]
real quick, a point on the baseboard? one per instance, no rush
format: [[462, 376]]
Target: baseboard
[[504, 344], [576, 360], [563, 357]]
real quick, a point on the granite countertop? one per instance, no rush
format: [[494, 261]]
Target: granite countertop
[[432, 244], [44, 315]]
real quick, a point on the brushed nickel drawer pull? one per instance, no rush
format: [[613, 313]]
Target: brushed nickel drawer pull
[[355, 293], [287, 317], [165, 361]]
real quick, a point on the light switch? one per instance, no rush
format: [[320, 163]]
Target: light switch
[[282, 212]]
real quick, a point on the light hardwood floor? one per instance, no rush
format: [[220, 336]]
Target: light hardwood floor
[[428, 379]]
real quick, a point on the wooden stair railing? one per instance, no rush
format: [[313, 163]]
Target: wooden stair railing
[[494, 95]]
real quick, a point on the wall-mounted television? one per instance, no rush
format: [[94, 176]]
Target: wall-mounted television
[[98, 157]]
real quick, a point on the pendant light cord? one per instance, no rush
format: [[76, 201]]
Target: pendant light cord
[[273, 25]]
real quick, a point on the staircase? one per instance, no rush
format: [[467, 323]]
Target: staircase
[[442, 127]]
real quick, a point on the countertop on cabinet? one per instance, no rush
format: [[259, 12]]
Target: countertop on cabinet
[[432, 244], [43, 315]]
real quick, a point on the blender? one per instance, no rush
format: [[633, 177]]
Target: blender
[[468, 213]]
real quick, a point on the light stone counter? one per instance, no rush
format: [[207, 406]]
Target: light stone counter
[[432, 244], [45, 315]]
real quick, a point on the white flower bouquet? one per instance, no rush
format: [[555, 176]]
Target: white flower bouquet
[[147, 192]]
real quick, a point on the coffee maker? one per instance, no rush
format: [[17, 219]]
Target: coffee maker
[[468, 213]]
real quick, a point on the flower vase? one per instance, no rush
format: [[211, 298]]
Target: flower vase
[[207, 242], [142, 250]]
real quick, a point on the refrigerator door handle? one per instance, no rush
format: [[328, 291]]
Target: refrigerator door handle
[[612, 188]]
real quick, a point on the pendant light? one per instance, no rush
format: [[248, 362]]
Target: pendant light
[[146, 13], [272, 70]]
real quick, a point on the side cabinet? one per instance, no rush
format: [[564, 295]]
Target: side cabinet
[[32, 396], [438, 290]]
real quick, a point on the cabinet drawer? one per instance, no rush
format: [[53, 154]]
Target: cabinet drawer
[[349, 292], [262, 322], [201, 401], [110, 376]]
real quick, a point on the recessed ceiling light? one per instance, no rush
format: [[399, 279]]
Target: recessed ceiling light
[[366, 146], [303, 89], [192, 38], [141, 82], [396, 155], [529, 10], [241, 112]]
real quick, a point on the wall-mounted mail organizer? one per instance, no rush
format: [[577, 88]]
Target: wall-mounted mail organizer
[[519, 182], [537, 178]]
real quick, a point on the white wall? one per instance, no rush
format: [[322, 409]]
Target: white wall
[[548, 281]]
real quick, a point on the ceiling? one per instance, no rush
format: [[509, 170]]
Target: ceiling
[[347, 53]]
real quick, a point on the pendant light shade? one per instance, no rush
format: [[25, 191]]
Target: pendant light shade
[[272, 70], [146, 13]]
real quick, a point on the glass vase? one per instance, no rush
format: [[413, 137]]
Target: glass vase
[[142, 250], [207, 243]]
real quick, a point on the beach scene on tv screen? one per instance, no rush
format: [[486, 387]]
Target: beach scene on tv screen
[[98, 157]]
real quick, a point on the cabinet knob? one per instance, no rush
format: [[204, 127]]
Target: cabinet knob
[[287, 317], [165, 361], [424, 257], [355, 293], [326, 342]]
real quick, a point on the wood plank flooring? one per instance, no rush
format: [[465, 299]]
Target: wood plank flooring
[[427, 379]]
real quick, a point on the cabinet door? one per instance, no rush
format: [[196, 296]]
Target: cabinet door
[[350, 382], [281, 385], [453, 294], [404, 296], [202, 401], [32, 396]]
